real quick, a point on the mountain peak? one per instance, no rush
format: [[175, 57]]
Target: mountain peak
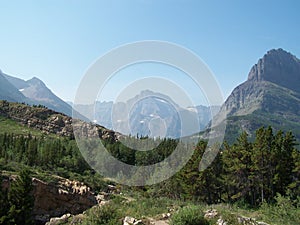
[[277, 66], [36, 81]]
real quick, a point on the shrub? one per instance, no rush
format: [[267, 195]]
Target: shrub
[[107, 214], [282, 212], [190, 215]]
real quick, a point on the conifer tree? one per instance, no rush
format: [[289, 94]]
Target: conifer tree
[[21, 200]]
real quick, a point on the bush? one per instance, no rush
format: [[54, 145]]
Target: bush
[[282, 212], [190, 215], [107, 214]]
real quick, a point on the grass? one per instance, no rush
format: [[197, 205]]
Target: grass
[[11, 126], [187, 213]]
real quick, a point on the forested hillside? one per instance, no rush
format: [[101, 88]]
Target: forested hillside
[[258, 174]]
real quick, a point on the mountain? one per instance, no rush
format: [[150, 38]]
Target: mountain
[[32, 91], [149, 114], [270, 96], [8, 91]]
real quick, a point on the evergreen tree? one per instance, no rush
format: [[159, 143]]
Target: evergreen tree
[[21, 200], [237, 167], [4, 206]]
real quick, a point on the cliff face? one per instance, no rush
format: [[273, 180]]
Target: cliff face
[[65, 197], [270, 96], [56, 199], [279, 67]]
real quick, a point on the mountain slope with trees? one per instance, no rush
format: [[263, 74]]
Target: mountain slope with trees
[[253, 173]]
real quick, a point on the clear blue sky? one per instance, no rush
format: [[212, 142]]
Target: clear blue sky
[[58, 40]]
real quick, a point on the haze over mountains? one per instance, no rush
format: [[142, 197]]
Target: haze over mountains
[[270, 96], [150, 114]]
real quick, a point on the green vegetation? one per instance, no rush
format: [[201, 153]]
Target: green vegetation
[[258, 178], [283, 211], [190, 215], [108, 214], [17, 202], [10, 126]]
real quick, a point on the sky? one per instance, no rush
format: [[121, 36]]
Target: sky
[[58, 40]]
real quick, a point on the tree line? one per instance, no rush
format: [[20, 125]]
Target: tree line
[[44, 152], [248, 172], [252, 172]]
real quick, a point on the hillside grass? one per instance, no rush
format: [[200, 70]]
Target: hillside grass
[[10, 126], [186, 213]]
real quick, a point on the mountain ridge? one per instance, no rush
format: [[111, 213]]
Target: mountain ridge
[[270, 96], [32, 91], [147, 111]]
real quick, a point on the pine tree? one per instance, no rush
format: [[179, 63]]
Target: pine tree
[[237, 167], [21, 200], [4, 206]]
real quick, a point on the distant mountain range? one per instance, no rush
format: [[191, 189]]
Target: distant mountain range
[[270, 96], [32, 91], [150, 114]]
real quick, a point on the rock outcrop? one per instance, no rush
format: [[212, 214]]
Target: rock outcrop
[[213, 214], [64, 197], [55, 200], [51, 122]]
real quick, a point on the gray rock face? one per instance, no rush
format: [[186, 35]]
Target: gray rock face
[[8, 91], [279, 67], [36, 92], [270, 96], [150, 114]]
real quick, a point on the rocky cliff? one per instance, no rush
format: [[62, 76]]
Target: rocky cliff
[[57, 198], [51, 122], [270, 96]]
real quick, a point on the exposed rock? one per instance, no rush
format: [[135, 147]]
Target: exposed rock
[[166, 216], [212, 213], [102, 197], [249, 221], [246, 221], [51, 122], [132, 221], [262, 223], [270, 96], [59, 220], [65, 197], [221, 222], [279, 67], [56, 199]]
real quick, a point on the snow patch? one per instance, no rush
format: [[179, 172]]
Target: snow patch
[[161, 100]]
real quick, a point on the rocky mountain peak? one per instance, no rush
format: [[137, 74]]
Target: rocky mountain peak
[[36, 81], [277, 66]]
